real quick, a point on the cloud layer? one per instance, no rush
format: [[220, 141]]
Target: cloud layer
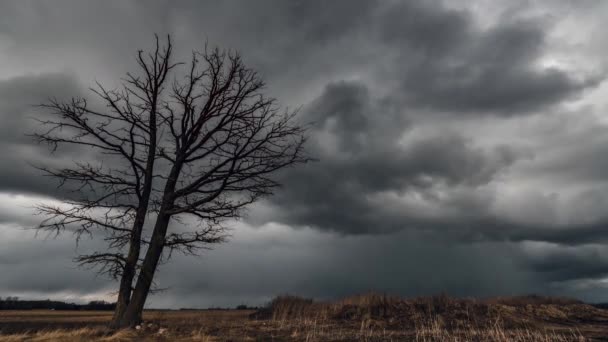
[[447, 134]]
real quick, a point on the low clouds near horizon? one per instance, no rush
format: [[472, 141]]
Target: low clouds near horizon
[[460, 145]]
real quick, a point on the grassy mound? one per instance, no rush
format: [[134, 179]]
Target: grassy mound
[[452, 313]]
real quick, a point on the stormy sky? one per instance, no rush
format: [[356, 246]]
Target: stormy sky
[[461, 145]]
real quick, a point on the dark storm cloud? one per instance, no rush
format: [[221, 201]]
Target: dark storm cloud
[[275, 260], [562, 265], [441, 58], [367, 135], [40, 267], [358, 142], [577, 151], [450, 64], [371, 178], [421, 196], [571, 264], [19, 97], [429, 55]]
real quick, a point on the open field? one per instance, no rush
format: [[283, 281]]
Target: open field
[[363, 318]]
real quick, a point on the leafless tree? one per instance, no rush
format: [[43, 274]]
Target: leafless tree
[[204, 144]]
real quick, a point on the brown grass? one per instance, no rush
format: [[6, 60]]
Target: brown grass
[[443, 318], [370, 317], [72, 335], [435, 331]]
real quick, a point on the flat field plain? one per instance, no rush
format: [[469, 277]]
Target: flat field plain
[[368, 317]]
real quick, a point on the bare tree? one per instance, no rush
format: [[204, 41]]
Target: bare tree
[[205, 144]]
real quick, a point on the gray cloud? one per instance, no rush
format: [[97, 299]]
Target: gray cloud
[[445, 136], [448, 63], [19, 97], [563, 264], [358, 142]]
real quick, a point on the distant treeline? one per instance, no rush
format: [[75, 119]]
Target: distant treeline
[[14, 303]]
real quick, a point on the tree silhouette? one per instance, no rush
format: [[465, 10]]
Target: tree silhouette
[[204, 144]]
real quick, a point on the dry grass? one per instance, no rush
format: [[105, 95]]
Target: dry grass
[[72, 335], [371, 317], [435, 331], [432, 333], [440, 318]]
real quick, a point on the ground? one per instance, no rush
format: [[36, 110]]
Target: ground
[[365, 318]]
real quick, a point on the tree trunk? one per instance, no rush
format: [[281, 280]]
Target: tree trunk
[[133, 314], [126, 281], [121, 303], [134, 311]]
